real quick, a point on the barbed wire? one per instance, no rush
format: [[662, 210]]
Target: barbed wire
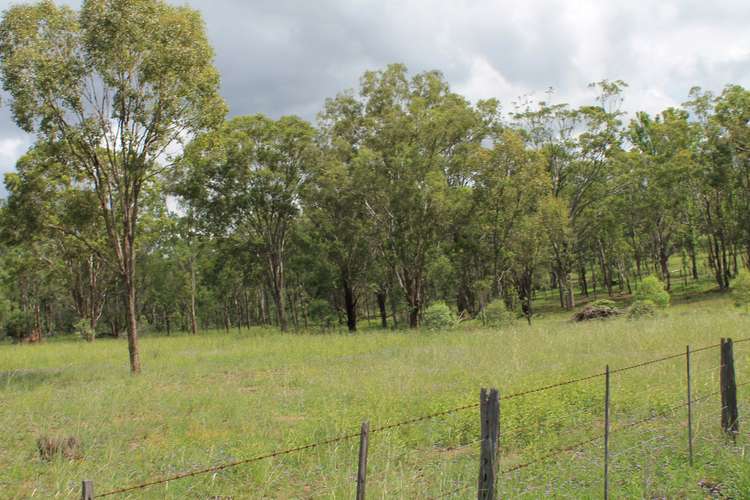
[[382, 428]]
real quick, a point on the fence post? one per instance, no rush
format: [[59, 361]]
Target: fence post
[[364, 438], [87, 490], [489, 413], [729, 414], [606, 433], [689, 407]]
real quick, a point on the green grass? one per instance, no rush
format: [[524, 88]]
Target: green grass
[[220, 397]]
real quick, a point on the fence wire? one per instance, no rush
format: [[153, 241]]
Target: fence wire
[[422, 418]]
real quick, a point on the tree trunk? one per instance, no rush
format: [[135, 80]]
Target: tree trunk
[[381, 306], [664, 263], [132, 320], [350, 304], [193, 321], [276, 269]]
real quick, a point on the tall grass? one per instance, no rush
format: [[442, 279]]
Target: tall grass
[[220, 397]]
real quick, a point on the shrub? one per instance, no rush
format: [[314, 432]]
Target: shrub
[[741, 289], [83, 328], [497, 315], [653, 289], [604, 303], [321, 313], [642, 309], [438, 317], [19, 325]]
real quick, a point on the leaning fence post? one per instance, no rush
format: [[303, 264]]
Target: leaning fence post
[[87, 490], [606, 433], [729, 413], [689, 407], [489, 413], [364, 437]]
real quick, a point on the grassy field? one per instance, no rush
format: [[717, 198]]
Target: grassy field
[[221, 397]]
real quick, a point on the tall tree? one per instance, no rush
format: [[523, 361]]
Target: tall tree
[[247, 178], [116, 84]]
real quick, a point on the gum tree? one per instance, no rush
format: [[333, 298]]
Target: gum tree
[[115, 84]]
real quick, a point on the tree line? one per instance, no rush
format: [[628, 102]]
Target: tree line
[[141, 206]]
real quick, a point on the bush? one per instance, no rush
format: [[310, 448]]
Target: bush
[[741, 289], [321, 313], [19, 325], [604, 303], [438, 317], [642, 309], [83, 328], [497, 315], [653, 289]]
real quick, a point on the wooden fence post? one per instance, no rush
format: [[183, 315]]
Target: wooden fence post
[[364, 438], [689, 407], [729, 413], [87, 490], [489, 413], [606, 433]]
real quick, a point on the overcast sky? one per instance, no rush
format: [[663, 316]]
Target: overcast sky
[[285, 57]]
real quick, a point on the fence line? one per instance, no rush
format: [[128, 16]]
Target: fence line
[[350, 436]]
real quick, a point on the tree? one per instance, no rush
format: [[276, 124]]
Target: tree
[[416, 131], [662, 163], [335, 197], [115, 84], [46, 207], [247, 178]]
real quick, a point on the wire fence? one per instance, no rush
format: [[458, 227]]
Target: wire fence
[[506, 435]]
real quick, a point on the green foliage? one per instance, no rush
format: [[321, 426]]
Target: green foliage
[[497, 315], [642, 309], [83, 328], [611, 304], [741, 289], [321, 313], [19, 325], [438, 317], [651, 288]]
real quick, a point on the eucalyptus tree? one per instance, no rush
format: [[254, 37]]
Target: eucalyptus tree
[[245, 180], [416, 129], [733, 117], [116, 84], [47, 208], [508, 186], [662, 164], [578, 145], [335, 197], [713, 157]]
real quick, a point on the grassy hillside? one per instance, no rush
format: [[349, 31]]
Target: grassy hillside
[[220, 397]]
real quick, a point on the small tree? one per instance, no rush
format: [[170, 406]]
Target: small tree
[[438, 317], [20, 326], [653, 289], [741, 289], [497, 315]]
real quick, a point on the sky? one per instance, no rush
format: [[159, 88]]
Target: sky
[[283, 57]]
